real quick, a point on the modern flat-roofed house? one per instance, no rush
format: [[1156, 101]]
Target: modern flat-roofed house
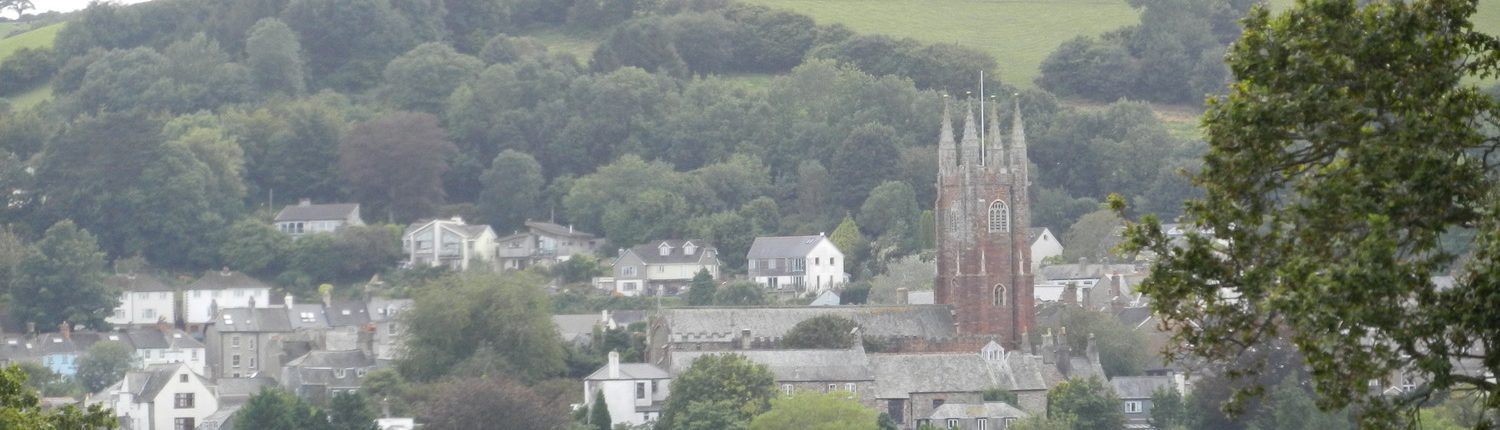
[[663, 265], [218, 290], [448, 242], [306, 218], [143, 300], [799, 263], [544, 243]]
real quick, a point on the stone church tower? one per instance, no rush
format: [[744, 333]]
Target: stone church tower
[[982, 216]]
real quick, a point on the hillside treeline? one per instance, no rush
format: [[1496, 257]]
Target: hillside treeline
[[177, 127]]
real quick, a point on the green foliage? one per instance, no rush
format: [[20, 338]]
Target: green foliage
[[21, 409], [702, 289], [1122, 350], [862, 161], [1168, 410], [274, 57], [599, 412], [504, 313], [104, 364], [255, 247], [349, 411], [63, 280], [26, 68], [849, 240], [274, 409], [396, 164], [890, 214], [855, 294], [1319, 187], [512, 190], [348, 42], [471, 403], [1000, 395], [1043, 422], [1094, 237], [421, 79], [945, 67], [580, 268], [821, 332], [1090, 404], [1290, 407], [719, 391], [740, 293], [834, 410]]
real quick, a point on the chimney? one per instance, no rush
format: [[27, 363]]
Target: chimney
[[614, 364], [745, 338], [1026, 343], [328, 298], [1064, 353], [66, 330], [224, 271], [304, 202], [252, 302], [1048, 347], [1070, 294], [30, 328], [1091, 351], [289, 301], [903, 297], [1117, 289], [367, 339], [163, 327], [570, 228]]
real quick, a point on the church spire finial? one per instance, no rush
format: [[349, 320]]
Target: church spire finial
[[947, 148], [969, 147], [994, 152]]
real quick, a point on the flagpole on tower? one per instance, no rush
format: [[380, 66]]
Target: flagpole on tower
[[983, 144]]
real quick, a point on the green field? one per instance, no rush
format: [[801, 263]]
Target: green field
[[41, 37], [1018, 33]]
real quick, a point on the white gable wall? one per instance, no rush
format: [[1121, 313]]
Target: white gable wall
[[144, 307], [197, 304]]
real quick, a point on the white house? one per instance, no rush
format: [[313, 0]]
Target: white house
[[634, 392], [448, 242], [161, 397], [307, 218], [663, 264], [802, 263], [166, 345], [143, 300], [223, 289], [1043, 244]]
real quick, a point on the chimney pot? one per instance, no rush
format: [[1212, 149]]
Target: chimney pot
[[304, 202], [289, 301], [614, 364], [745, 339], [903, 297]]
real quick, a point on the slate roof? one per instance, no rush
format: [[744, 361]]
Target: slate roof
[[902, 374], [219, 280], [323, 368], [307, 316], [625, 318], [381, 310], [784, 246], [774, 322], [1035, 232], [795, 365], [629, 371], [16, 348], [557, 230], [971, 411], [826, 298], [149, 382], [136, 283], [1134, 317], [238, 390], [571, 327], [321, 212], [347, 313], [253, 320], [152, 338], [1081, 271], [1139, 387], [469, 231], [924, 297], [222, 419], [650, 252]]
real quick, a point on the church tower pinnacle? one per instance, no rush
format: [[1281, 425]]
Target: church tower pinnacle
[[983, 221]]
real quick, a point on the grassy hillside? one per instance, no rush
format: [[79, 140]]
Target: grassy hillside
[[31, 39], [1018, 33]]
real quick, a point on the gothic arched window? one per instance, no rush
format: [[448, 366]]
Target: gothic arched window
[[999, 217], [999, 295]]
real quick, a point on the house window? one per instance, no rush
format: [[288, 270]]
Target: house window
[[999, 217], [195, 354], [831, 261], [252, 343], [182, 424], [234, 361], [252, 362], [234, 341], [182, 378], [239, 293], [999, 293], [338, 373], [936, 403], [849, 386], [982, 424], [627, 271], [752, 264], [817, 260], [120, 313], [661, 269], [359, 373], [640, 390], [832, 387], [771, 263], [953, 423], [786, 389], [1132, 407], [183, 400]]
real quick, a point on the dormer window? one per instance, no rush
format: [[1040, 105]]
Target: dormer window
[[664, 249], [689, 249]]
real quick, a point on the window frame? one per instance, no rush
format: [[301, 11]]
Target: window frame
[[998, 217]]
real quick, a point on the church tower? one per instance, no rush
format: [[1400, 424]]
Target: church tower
[[983, 215]]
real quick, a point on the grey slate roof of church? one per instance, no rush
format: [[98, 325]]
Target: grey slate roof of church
[[774, 322], [783, 246], [322, 212], [795, 365], [971, 411], [1139, 387], [903, 374]]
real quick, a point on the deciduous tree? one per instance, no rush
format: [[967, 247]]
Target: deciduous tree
[[507, 313], [701, 290], [472, 403], [395, 163], [104, 364], [821, 332], [724, 390], [63, 280], [512, 190], [20, 408], [275, 58], [833, 410], [1090, 404]]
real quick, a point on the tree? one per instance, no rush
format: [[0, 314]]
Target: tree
[[821, 332], [1094, 237], [63, 280], [847, 238], [19, 6], [255, 247], [396, 163], [1122, 350], [599, 413], [727, 386], [25, 68], [702, 289], [275, 58], [348, 42], [1167, 410], [866, 158], [1088, 402], [740, 293], [462, 404], [1334, 170], [349, 411], [104, 364], [891, 214], [833, 410], [421, 79], [274, 409], [20, 408], [512, 189], [1289, 407], [505, 313]]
